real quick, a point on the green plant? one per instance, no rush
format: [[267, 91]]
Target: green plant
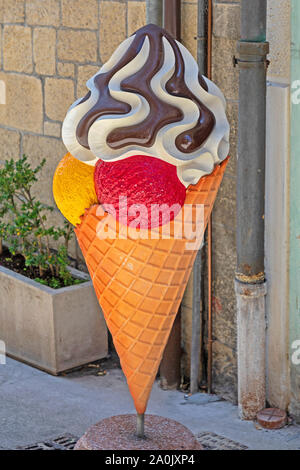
[[23, 222]]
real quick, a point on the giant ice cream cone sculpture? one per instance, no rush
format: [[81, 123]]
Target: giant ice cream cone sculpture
[[153, 131]]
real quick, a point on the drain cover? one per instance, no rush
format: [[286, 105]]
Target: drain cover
[[65, 442], [209, 441], [212, 441]]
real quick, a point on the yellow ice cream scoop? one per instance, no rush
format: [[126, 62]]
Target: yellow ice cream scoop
[[73, 188]]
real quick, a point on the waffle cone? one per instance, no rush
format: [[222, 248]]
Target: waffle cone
[[139, 284]]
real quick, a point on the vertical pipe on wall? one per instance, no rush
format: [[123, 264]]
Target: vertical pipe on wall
[[294, 255], [172, 17], [154, 12], [250, 276], [209, 226], [202, 36], [251, 146], [209, 37], [170, 367], [197, 291], [154, 15]]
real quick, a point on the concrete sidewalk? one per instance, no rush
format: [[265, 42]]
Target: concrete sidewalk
[[36, 406]]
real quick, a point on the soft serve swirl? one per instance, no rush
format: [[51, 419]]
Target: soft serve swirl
[[149, 99]]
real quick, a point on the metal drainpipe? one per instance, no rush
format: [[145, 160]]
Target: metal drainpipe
[[209, 225], [167, 13], [170, 367], [154, 12], [196, 343], [250, 283]]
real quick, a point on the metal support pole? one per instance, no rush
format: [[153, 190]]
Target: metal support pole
[[250, 275]]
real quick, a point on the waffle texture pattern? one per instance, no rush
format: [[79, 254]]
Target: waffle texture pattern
[[139, 284]]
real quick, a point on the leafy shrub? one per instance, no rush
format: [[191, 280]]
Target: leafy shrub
[[23, 223]]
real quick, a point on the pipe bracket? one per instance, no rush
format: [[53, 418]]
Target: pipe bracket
[[250, 279], [251, 54]]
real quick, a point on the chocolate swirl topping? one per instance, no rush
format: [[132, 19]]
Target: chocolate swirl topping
[[161, 113]]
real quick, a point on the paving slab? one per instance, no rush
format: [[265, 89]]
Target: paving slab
[[36, 406]]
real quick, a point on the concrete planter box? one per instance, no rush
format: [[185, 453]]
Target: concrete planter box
[[52, 329]]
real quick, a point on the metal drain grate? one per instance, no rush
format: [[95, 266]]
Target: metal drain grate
[[65, 442], [212, 441], [209, 440]]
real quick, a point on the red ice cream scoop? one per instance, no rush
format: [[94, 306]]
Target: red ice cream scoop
[[141, 191]]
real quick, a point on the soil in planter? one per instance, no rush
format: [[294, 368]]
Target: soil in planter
[[17, 264]]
